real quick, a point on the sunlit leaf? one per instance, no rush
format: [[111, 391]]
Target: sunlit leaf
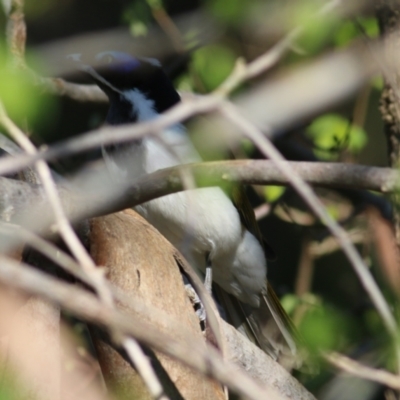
[[370, 26], [22, 100], [184, 83], [345, 33], [333, 211], [324, 328], [138, 16], [333, 132], [273, 193], [317, 29], [349, 30], [138, 28], [213, 64], [290, 302], [9, 388]]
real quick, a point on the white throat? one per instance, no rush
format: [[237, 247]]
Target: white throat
[[143, 106]]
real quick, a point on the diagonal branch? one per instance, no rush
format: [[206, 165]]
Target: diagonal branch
[[84, 305]]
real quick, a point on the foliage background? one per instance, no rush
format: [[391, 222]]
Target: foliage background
[[330, 307]]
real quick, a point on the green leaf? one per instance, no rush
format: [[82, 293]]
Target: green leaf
[[10, 388], [155, 3], [290, 302], [228, 11], [317, 29], [213, 64], [370, 26], [332, 132], [273, 193], [345, 33], [333, 211], [22, 99], [138, 28], [349, 30], [324, 328], [138, 16], [378, 83]]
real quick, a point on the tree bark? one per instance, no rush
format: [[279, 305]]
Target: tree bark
[[139, 260], [388, 14]]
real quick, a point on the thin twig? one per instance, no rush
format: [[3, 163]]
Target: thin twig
[[306, 192], [355, 368], [17, 37], [16, 31], [63, 224], [204, 359], [168, 26], [75, 91], [95, 274], [266, 61], [18, 198], [144, 367]]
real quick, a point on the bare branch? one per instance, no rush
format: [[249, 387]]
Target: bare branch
[[18, 198], [306, 192], [280, 107], [355, 368], [82, 93], [84, 305], [63, 225], [143, 365], [93, 274], [16, 30]]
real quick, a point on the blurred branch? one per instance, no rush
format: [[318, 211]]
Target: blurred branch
[[355, 368], [49, 186], [74, 91], [16, 30], [388, 12], [93, 274], [330, 244], [387, 251], [154, 44], [306, 192], [17, 197], [85, 305], [281, 106], [167, 24], [243, 72]]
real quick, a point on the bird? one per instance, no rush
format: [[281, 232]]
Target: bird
[[204, 224]]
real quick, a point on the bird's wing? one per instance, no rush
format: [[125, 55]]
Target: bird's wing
[[268, 326]]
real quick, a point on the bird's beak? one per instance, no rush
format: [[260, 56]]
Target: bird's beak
[[76, 57], [88, 69]]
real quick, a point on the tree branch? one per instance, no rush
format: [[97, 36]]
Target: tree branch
[[355, 368], [18, 197], [204, 359]]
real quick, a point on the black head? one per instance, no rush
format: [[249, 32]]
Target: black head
[[119, 75]]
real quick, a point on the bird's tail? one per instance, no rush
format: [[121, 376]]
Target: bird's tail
[[269, 326]]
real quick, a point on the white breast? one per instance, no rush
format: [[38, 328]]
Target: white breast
[[202, 223]]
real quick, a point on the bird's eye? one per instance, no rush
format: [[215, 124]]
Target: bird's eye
[[108, 59]]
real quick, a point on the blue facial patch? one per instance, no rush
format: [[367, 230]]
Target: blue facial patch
[[118, 61]]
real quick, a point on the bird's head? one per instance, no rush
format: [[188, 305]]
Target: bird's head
[[138, 88]]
